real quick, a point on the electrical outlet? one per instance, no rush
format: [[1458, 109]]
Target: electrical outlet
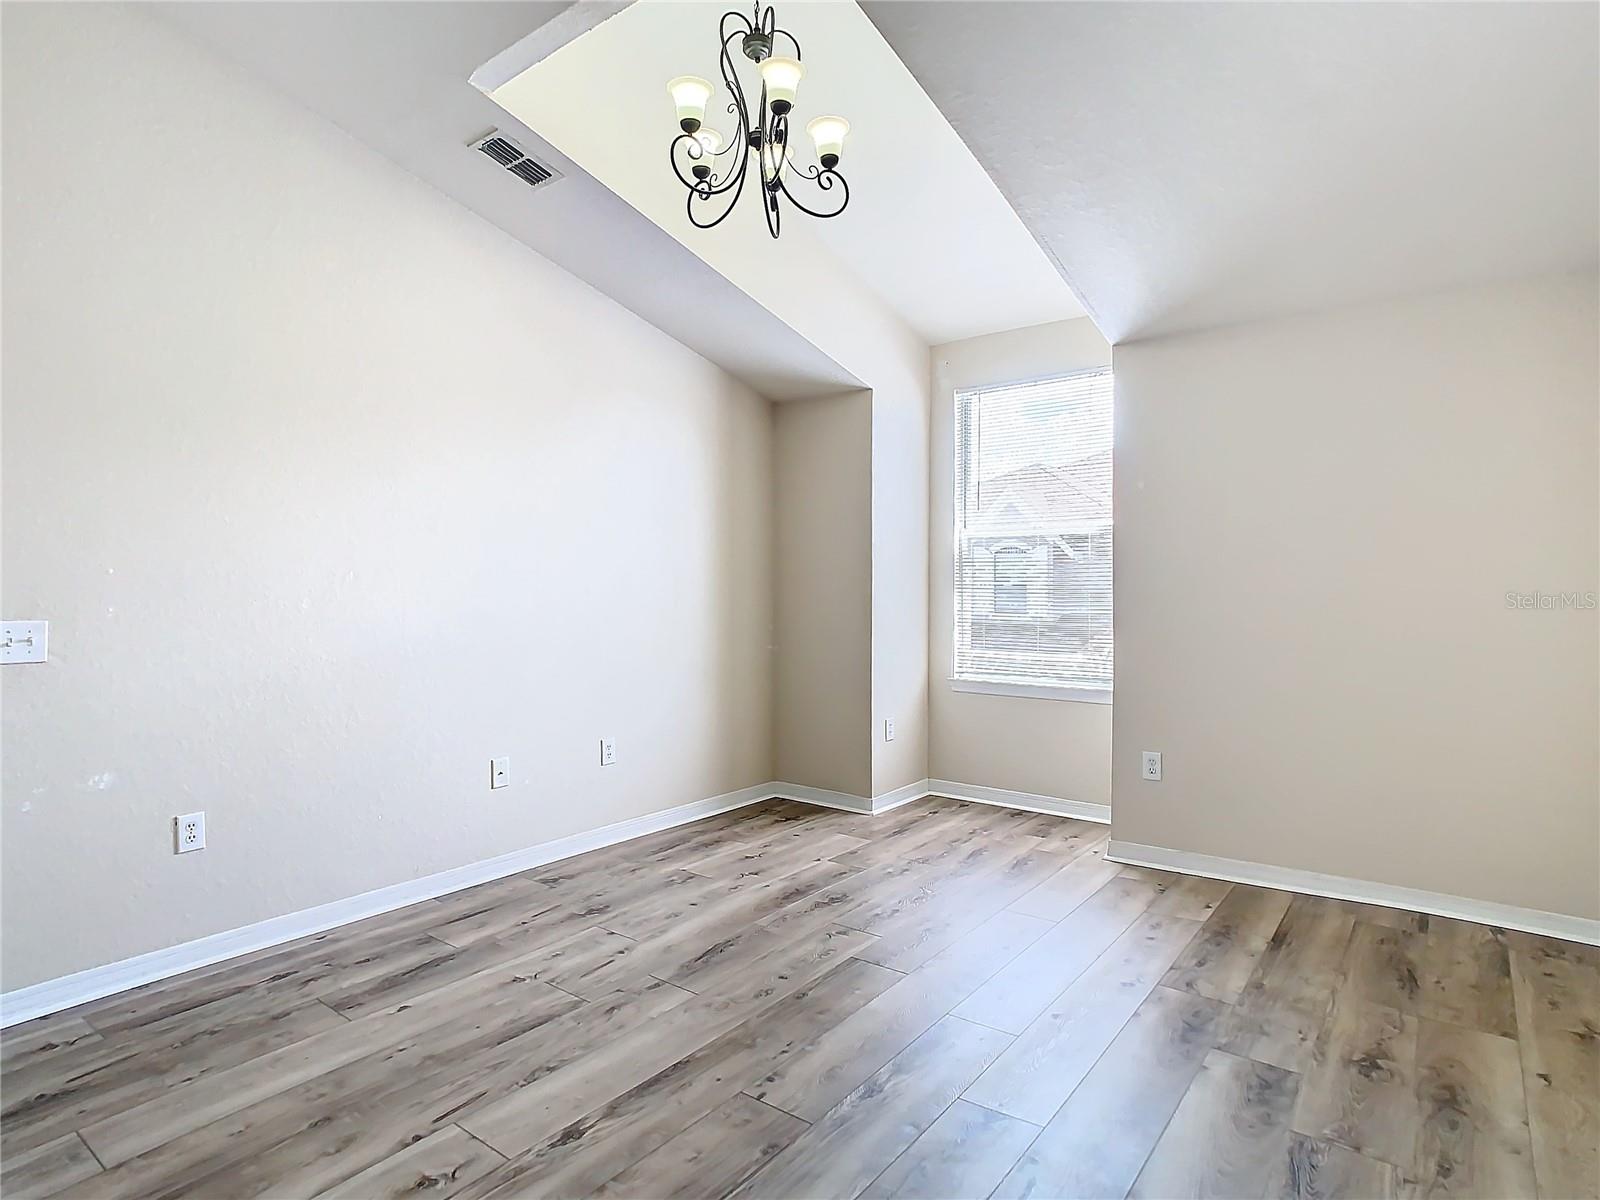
[[1150, 765], [888, 729], [608, 752], [188, 833], [499, 772]]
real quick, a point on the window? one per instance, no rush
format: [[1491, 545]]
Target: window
[[1033, 535], [1011, 581]]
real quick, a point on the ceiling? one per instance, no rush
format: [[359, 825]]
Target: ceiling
[[1189, 165], [926, 229], [396, 77], [1183, 165]]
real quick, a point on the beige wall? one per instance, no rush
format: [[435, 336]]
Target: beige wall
[[900, 415], [1318, 521], [855, 329], [824, 593], [851, 601], [1056, 748], [816, 293], [330, 492]]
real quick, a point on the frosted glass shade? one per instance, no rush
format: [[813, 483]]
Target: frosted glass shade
[[828, 133], [710, 140], [772, 161], [690, 93], [782, 77]]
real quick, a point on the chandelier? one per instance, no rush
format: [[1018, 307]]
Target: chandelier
[[714, 172]]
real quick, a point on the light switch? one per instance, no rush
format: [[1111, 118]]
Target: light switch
[[24, 641]]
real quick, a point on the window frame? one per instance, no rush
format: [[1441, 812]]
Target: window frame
[[1012, 554], [1030, 691], [976, 685]]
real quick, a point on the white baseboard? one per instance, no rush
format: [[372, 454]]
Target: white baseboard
[[1337, 887], [823, 797], [53, 995], [852, 803], [1082, 810], [901, 795]]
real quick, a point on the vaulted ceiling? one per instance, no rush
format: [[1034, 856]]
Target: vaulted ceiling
[[926, 229], [397, 77], [1196, 164], [1179, 165]]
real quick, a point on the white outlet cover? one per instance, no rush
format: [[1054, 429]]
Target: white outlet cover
[[888, 729], [1150, 764], [189, 833], [608, 752]]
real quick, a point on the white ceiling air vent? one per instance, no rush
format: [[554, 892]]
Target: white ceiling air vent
[[511, 156]]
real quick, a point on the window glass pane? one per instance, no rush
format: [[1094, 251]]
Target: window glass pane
[[1033, 532]]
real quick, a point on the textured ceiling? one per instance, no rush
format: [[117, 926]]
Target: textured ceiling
[[1199, 164]]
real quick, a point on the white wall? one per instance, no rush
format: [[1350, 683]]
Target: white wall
[[330, 492], [1318, 521], [1055, 748]]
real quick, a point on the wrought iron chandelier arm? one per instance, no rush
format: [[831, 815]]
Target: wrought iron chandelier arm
[[770, 208], [693, 150], [730, 78], [771, 133], [703, 193], [722, 26], [825, 178], [763, 132], [697, 154]]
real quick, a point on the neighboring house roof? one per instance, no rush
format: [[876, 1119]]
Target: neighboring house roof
[[1045, 501]]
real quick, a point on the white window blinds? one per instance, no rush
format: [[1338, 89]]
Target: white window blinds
[[1033, 533]]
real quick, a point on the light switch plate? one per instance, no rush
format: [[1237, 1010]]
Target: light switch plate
[[499, 772], [24, 641]]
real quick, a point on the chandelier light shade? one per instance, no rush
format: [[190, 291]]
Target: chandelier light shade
[[781, 77], [774, 158], [828, 134], [714, 170], [690, 93]]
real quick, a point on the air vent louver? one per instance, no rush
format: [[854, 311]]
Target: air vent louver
[[502, 151], [529, 170], [511, 156]]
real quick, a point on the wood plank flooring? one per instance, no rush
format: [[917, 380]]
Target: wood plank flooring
[[950, 1000]]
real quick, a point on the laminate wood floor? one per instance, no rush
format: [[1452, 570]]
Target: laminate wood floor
[[949, 1000]]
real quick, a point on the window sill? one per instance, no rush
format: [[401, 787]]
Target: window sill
[[1032, 691]]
